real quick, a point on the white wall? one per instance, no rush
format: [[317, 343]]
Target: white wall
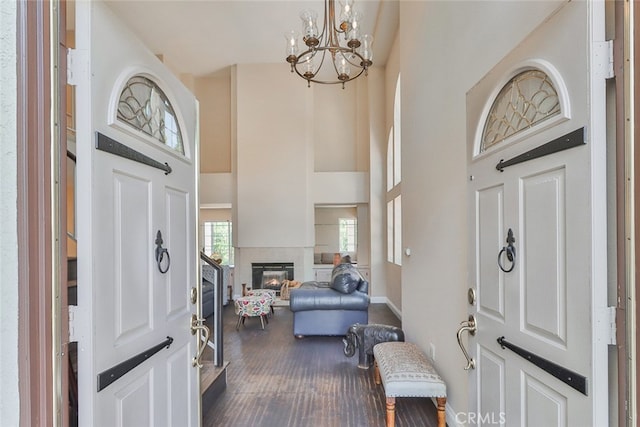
[[335, 145], [445, 48], [339, 187], [9, 396], [216, 189], [273, 158]]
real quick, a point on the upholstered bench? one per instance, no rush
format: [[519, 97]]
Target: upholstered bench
[[252, 306], [405, 371], [268, 294]]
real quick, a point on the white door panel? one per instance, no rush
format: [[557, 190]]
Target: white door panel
[[178, 278], [490, 220], [126, 305], [491, 391], [133, 403], [543, 270], [543, 405], [131, 273], [551, 303]]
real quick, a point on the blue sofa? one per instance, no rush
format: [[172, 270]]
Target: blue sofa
[[321, 308], [208, 290]]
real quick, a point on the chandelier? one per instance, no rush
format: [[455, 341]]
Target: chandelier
[[348, 58]]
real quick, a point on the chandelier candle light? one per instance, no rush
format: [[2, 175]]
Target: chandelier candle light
[[355, 52]]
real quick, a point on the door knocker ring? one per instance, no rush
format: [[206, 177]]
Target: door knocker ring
[[160, 254], [510, 251]]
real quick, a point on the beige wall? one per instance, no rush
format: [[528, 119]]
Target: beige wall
[[214, 94], [445, 48]]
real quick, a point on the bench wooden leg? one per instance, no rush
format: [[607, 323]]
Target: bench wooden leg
[[238, 323], [391, 411], [441, 401], [376, 373]]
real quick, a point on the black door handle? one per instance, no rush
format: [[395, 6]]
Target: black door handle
[[510, 251], [161, 253]]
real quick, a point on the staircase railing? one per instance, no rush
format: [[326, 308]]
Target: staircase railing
[[217, 345]]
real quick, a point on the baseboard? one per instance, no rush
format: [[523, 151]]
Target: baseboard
[[385, 300]]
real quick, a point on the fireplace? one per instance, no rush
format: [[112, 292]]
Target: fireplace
[[273, 279], [270, 275]]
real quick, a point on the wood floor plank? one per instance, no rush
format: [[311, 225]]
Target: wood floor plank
[[277, 380]]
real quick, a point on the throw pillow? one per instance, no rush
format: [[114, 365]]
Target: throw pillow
[[345, 278]]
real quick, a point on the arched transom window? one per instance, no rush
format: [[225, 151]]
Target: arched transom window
[[526, 100], [145, 107]]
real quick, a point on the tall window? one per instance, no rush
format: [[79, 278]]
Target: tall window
[[397, 230], [348, 229], [394, 189], [218, 242], [390, 231]]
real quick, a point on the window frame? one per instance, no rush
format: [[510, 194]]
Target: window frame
[[345, 225], [209, 244]]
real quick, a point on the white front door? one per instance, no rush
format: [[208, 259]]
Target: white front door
[[548, 302], [135, 347]]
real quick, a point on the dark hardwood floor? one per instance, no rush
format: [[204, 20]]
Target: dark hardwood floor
[[276, 380]]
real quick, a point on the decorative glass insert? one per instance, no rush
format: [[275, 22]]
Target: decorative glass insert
[[145, 107], [526, 100]]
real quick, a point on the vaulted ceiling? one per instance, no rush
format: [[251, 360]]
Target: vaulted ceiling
[[201, 37]]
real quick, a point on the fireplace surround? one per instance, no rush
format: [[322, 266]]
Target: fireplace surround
[[281, 271]]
